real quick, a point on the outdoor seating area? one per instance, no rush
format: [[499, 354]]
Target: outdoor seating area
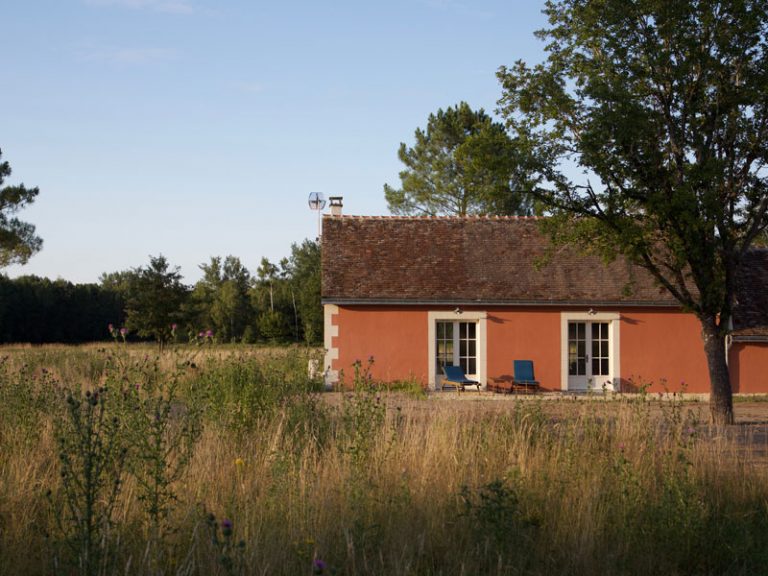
[[522, 381]]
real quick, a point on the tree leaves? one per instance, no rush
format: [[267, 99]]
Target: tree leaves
[[155, 298], [464, 163], [665, 107], [18, 241]]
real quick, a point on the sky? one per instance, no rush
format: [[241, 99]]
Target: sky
[[198, 128]]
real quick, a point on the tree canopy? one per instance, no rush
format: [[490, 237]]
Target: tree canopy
[[39, 310], [304, 274], [664, 106], [17, 239], [155, 298], [221, 300], [463, 163]]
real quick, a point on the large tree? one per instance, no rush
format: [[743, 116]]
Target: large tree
[[268, 295], [221, 298], [156, 296], [304, 277], [17, 239], [463, 163], [664, 108]]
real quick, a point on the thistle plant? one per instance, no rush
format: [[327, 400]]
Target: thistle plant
[[121, 333], [23, 399], [163, 433], [362, 413], [162, 429], [229, 551], [92, 456]]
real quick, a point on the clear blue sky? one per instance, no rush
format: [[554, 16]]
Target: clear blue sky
[[196, 128]]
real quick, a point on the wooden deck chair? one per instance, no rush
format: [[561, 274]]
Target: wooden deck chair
[[455, 375]]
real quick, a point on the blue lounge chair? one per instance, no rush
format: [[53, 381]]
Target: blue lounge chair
[[455, 375], [524, 377]]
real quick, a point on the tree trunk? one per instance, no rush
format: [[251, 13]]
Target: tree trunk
[[295, 315], [721, 395]]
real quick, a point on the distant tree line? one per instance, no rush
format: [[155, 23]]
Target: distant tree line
[[38, 310], [280, 303]]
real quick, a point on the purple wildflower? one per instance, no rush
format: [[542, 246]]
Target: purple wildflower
[[226, 527], [201, 335], [174, 326], [123, 331], [318, 566], [209, 333], [111, 328]]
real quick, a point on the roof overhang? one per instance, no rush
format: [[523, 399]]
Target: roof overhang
[[511, 303], [755, 338]]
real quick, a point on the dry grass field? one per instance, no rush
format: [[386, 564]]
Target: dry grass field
[[117, 460]]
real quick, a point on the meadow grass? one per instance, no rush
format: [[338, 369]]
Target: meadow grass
[[233, 462]]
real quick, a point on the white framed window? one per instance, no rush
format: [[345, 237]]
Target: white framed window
[[456, 345], [590, 350], [459, 340]]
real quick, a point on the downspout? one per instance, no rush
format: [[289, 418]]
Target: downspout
[[728, 340]]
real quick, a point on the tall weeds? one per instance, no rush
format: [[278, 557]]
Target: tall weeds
[[235, 464]]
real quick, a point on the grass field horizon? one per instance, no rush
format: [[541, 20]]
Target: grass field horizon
[[230, 460]]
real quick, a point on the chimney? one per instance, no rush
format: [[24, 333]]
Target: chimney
[[336, 205]]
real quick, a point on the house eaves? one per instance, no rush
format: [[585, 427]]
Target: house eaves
[[491, 303]]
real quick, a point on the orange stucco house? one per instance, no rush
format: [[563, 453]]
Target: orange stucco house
[[416, 292]]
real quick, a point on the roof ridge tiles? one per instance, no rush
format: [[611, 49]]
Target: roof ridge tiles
[[470, 217]]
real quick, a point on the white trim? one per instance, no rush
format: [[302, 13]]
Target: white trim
[[482, 340], [614, 342], [330, 331]]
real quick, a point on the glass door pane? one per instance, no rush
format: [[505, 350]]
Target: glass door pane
[[468, 347], [444, 345], [600, 359], [577, 348]]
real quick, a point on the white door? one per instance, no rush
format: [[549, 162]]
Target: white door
[[456, 345], [589, 361]]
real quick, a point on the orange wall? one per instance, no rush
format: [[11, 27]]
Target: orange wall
[[749, 367], [663, 345], [396, 338], [662, 348], [525, 334]]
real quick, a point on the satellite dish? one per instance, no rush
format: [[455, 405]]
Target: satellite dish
[[316, 201]]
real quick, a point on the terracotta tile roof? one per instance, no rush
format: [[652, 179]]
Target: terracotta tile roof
[[751, 306], [475, 259]]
